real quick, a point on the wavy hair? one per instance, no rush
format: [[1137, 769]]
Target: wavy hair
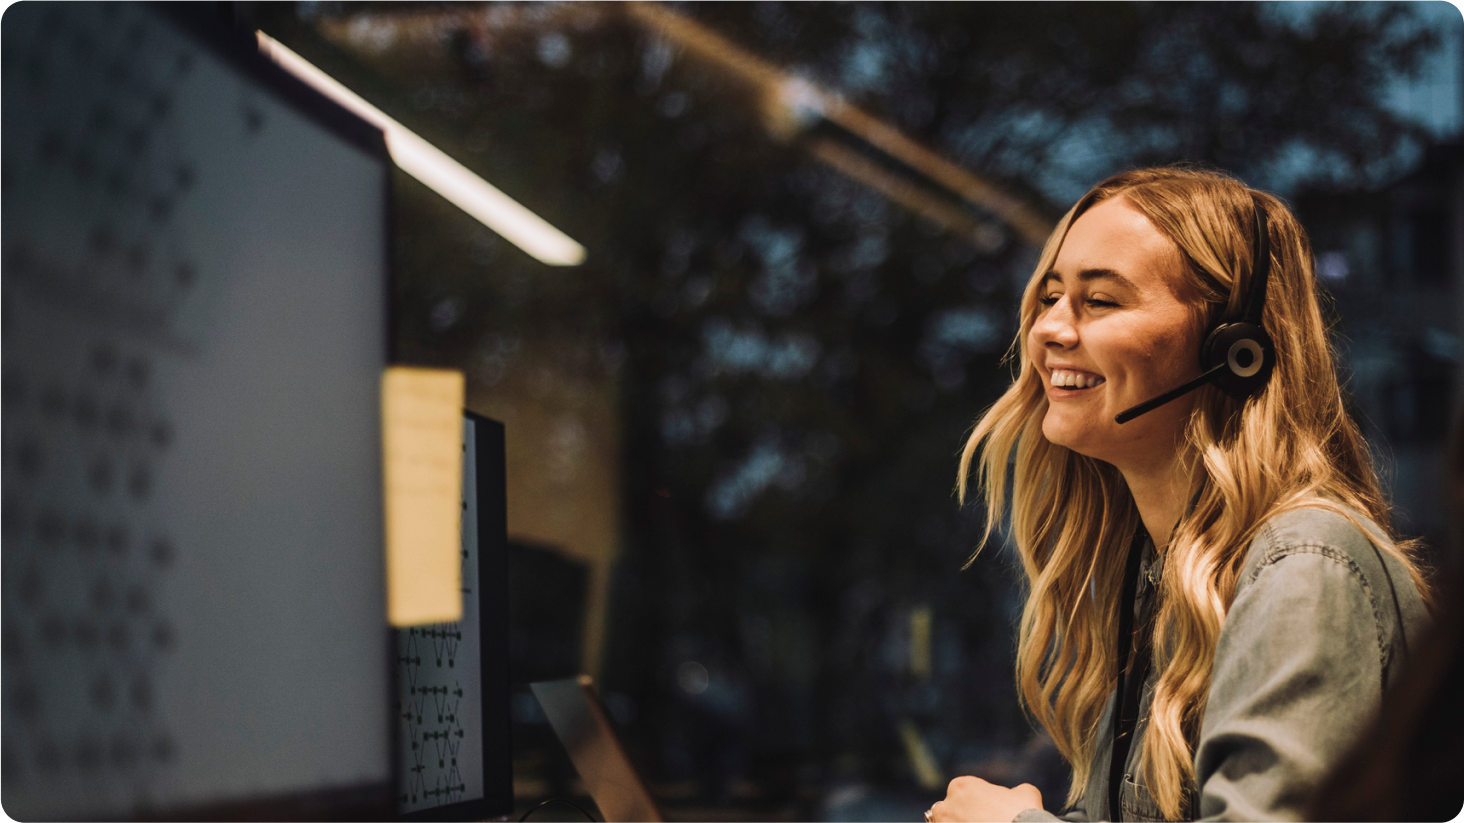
[[1292, 444]]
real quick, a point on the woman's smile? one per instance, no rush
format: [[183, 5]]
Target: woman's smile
[[1066, 382]]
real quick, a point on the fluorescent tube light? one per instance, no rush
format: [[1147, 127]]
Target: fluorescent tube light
[[437, 171]]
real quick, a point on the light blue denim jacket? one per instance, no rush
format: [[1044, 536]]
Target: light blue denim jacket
[[1308, 647]]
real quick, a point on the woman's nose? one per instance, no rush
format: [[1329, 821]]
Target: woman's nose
[[1056, 327]]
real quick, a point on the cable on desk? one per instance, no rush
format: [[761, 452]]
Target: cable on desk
[[590, 817]]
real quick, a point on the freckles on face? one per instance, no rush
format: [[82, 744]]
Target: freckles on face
[[1156, 351], [1111, 332]]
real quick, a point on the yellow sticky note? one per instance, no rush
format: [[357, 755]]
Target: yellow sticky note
[[422, 451]]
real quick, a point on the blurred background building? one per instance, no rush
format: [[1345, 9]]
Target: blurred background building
[[732, 431]]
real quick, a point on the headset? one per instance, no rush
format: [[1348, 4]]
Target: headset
[[1238, 357]]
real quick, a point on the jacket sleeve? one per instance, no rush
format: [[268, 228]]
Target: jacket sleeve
[[1297, 675]]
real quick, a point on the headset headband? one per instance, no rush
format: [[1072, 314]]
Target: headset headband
[[1255, 302]]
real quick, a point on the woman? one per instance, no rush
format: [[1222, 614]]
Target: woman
[[1269, 605]]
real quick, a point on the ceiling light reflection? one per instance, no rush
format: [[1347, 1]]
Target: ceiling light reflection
[[438, 171]]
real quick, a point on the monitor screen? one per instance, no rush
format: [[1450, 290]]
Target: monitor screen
[[194, 289]]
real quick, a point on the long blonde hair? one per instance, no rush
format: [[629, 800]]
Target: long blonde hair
[[1292, 444]]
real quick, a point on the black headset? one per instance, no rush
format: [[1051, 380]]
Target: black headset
[[1238, 357]]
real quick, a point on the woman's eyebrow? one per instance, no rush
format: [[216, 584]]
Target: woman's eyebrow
[[1089, 275]]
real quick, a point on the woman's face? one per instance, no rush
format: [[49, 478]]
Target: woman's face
[[1112, 331]]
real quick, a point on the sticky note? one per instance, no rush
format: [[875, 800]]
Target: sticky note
[[422, 457]]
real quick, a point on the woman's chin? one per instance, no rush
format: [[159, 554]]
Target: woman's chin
[[1060, 429], [1077, 436]]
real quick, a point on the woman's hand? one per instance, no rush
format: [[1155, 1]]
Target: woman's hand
[[974, 800]]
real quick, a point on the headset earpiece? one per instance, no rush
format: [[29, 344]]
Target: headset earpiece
[[1247, 353]]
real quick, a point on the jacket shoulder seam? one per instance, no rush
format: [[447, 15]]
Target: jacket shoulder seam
[[1279, 551]]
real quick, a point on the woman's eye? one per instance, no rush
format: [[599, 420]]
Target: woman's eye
[[1049, 300], [1098, 302]]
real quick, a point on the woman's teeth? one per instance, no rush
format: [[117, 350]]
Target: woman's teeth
[[1068, 379]]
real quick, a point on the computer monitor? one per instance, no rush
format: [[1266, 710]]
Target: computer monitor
[[454, 749], [194, 329]]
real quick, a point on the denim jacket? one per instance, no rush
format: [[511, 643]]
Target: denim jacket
[[1311, 642]]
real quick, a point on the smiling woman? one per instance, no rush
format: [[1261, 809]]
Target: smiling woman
[[1216, 602], [1105, 341]]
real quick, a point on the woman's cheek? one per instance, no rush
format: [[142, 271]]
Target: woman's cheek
[[1163, 361]]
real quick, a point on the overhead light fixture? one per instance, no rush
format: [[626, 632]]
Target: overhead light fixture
[[436, 170], [792, 105]]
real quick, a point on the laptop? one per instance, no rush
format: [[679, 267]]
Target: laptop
[[583, 726]]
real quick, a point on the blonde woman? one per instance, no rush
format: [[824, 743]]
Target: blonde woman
[[1214, 591]]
